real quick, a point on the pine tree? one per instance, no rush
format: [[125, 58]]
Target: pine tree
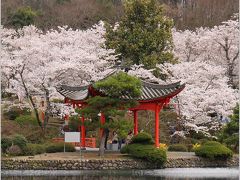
[[230, 132], [143, 35], [112, 105]]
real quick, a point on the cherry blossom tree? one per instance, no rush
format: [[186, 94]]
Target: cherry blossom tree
[[207, 58], [218, 45], [35, 62], [206, 90]]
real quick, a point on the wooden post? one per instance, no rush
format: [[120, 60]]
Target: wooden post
[[43, 116], [135, 122], [83, 138]]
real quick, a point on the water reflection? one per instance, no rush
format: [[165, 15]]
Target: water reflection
[[160, 174]]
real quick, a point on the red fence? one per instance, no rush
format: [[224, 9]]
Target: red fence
[[89, 142]]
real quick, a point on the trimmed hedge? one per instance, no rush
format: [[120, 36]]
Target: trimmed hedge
[[142, 147], [59, 147], [178, 147], [142, 138], [33, 149], [213, 150], [146, 152]]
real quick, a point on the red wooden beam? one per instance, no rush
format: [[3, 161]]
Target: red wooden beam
[[144, 106]]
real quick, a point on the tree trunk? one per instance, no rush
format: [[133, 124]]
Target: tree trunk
[[31, 102], [102, 143], [47, 111]]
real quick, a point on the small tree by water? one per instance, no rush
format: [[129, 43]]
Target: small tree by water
[[112, 105]]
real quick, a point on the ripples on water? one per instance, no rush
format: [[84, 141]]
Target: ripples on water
[[160, 174]]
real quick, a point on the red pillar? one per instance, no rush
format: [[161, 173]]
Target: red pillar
[[66, 117], [157, 110], [102, 121], [83, 139], [135, 122]]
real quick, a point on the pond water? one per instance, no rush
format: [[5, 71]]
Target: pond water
[[158, 174]]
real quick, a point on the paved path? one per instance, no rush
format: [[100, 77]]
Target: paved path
[[94, 155], [177, 155]]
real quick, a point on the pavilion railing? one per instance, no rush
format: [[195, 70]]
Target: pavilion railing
[[89, 142]]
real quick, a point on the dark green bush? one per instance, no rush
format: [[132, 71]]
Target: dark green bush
[[15, 112], [214, 150], [146, 152], [12, 114], [33, 149], [19, 140], [26, 119], [6, 142], [142, 138], [59, 147], [124, 149], [178, 147]]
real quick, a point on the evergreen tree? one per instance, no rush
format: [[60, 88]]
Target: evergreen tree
[[230, 133], [143, 35], [112, 105], [23, 17]]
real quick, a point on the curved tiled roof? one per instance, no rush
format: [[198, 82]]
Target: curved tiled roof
[[149, 91], [74, 93]]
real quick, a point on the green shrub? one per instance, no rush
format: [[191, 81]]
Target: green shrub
[[146, 152], [142, 138], [15, 112], [178, 147], [33, 149], [157, 156], [124, 149], [12, 114], [26, 119], [6, 142], [14, 150], [57, 101], [19, 140], [74, 123], [59, 147], [212, 143], [213, 150]]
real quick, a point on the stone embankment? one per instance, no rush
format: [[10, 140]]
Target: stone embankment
[[31, 164]]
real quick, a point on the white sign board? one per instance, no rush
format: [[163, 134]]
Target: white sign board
[[72, 137]]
